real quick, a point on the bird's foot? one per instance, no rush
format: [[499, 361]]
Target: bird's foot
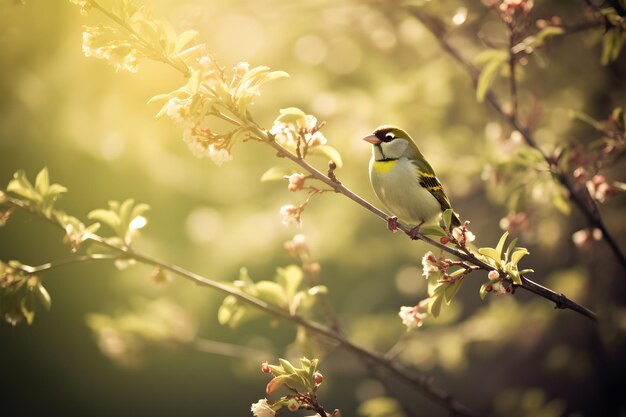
[[392, 224], [415, 231]]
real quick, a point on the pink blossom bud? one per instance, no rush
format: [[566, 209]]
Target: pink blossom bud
[[265, 367], [318, 377], [444, 240], [296, 181], [493, 275], [598, 179]]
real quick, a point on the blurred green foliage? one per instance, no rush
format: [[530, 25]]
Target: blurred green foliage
[[354, 65]]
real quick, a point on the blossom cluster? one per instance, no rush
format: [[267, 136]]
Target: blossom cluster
[[291, 214], [121, 54], [496, 284], [297, 131], [437, 265], [302, 383], [597, 186], [462, 235], [510, 10], [413, 317]]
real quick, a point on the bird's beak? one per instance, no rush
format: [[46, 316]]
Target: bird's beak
[[372, 139]]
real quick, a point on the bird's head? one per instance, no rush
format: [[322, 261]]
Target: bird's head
[[390, 143]]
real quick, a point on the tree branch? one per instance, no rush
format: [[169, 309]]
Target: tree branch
[[579, 196], [560, 300], [421, 383]]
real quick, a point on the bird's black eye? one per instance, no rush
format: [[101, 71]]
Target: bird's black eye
[[389, 137]]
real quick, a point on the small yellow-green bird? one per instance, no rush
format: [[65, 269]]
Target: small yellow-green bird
[[404, 181]]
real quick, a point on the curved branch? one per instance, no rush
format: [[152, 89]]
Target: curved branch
[[421, 383], [579, 196], [560, 300]]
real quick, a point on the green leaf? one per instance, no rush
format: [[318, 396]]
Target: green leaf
[[291, 115], [271, 292], [276, 173], [490, 253], [183, 39], [537, 40], [447, 218], [159, 97], [245, 283], [125, 210], [274, 75], [287, 366], [42, 181], [318, 289], [515, 277], [139, 210], [22, 187], [43, 296], [501, 244], [451, 290], [585, 118], [518, 254], [328, 151], [107, 217], [432, 230], [434, 304], [276, 383], [483, 290], [489, 72], [509, 249], [612, 43], [290, 278]]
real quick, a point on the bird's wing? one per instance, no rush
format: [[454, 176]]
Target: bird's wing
[[429, 180]]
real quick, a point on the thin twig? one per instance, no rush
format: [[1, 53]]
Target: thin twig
[[579, 196], [30, 270], [421, 383]]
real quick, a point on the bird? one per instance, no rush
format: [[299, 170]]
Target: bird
[[404, 181]]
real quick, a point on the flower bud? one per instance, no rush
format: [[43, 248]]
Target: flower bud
[[296, 182], [265, 367], [318, 377]]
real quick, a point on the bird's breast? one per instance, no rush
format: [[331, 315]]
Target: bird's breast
[[383, 167], [396, 183]]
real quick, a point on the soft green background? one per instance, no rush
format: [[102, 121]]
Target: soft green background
[[355, 65]]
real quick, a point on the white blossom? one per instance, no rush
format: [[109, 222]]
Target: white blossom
[[290, 214], [429, 264], [262, 409], [219, 155], [411, 317]]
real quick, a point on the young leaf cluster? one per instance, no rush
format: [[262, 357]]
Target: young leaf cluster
[[301, 379], [283, 291], [124, 218], [505, 262], [20, 284], [20, 293]]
